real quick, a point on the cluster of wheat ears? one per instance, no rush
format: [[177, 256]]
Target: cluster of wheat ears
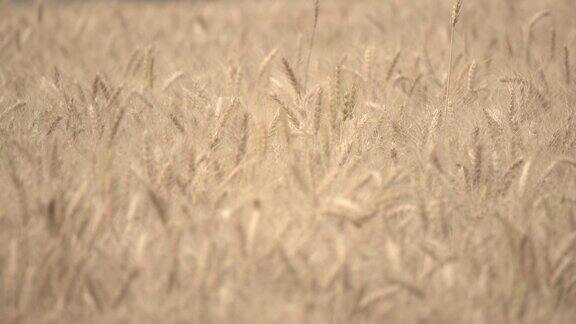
[[288, 161]]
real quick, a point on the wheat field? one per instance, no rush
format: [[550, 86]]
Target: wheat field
[[288, 161]]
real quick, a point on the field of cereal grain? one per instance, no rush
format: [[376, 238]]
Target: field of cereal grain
[[288, 161]]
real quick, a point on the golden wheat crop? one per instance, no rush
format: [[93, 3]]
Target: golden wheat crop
[[288, 161]]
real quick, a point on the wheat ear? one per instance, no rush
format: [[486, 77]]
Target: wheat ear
[[292, 77]]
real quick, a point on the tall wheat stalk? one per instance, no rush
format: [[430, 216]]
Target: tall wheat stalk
[[456, 10], [312, 39], [567, 75]]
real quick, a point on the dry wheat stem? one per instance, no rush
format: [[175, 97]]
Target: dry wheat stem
[[567, 67], [455, 17], [311, 45]]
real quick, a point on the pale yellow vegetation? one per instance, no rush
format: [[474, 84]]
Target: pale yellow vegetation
[[288, 161]]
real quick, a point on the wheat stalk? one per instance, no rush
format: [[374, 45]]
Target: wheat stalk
[[529, 33], [552, 44], [312, 39], [567, 74], [318, 113], [456, 11], [476, 158], [393, 64], [245, 133], [292, 77], [39, 11], [471, 78], [292, 115], [150, 68], [266, 62], [173, 79]]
